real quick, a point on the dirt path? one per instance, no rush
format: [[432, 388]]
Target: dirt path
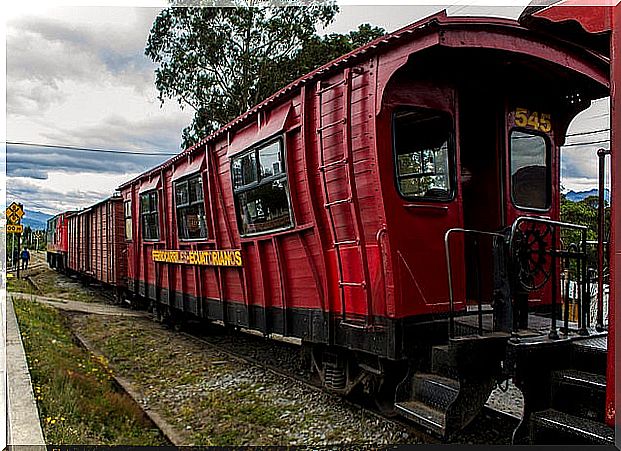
[[83, 307]]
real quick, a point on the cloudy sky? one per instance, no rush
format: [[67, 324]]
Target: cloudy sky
[[77, 76]]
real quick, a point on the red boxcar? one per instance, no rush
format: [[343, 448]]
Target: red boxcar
[[57, 241], [96, 244], [369, 207]]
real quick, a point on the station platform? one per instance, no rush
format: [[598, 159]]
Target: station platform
[[23, 425]]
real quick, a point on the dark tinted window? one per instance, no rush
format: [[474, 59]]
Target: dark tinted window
[[127, 213], [149, 216], [261, 191], [423, 154], [191, 219], [530, 170]]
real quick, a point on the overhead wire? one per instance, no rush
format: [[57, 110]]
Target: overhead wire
[[592, 132], [167, 154], [89, 149], [602, 141]]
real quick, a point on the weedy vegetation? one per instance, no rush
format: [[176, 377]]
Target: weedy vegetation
[[78, 400]]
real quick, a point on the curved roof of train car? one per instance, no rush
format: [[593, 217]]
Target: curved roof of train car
[[114, 197], [385, 42]]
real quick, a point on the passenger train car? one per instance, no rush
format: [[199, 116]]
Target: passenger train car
[[398, 211]]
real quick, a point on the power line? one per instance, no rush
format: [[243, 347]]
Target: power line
[[602, 141], [588, 133], [88, 149], [129, 152]]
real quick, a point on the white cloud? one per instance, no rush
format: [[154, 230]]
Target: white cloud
[[63, 191]]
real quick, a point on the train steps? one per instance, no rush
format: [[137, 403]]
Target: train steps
[[462, 375], [577, 400], [553, 427]]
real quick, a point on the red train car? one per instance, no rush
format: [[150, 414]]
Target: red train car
[[371, 206], [397, 210], [57, 240], [96, 244]]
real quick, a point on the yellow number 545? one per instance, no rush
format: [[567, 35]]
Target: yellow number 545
[[533, 119]]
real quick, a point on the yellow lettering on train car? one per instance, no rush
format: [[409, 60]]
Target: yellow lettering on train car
[[230, 257]]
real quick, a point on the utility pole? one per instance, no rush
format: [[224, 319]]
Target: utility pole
[[19, 239], [13, 250]]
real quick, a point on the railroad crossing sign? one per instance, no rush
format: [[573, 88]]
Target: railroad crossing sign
[[14, 228], [14, 214]]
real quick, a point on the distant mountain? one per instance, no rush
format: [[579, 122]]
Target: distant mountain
[[577, 196], [35, 219]]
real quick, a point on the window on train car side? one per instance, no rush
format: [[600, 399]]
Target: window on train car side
[[530, 170], [149, 216], [191, 219], [127, 215], [424, 156], [261, 191]]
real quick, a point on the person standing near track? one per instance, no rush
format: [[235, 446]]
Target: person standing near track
[[25, 258]]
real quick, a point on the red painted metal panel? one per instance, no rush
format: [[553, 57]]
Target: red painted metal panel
[[57, 238], [96, 243], [594, 16], [255, 132], [184, 168]]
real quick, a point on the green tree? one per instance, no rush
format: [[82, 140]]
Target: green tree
[[318, 50], [222, 61], [583, 212], [219, 61]]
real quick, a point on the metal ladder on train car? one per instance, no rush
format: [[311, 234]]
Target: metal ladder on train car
[[352, 199]]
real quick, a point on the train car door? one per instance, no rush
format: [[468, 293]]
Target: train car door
[[423, 202], [531, 183]]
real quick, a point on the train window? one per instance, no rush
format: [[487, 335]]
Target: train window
[[191, 219], [127, 214], [149, 216], [530, 170], [262, 203], [270, 160], [245, 170], [423, 154]]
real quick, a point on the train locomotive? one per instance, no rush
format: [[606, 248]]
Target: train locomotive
[[398, 210]]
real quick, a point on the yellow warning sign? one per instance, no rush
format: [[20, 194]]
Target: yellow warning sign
[[14, 213], [14, 228]]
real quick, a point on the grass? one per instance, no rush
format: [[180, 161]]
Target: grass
[[77, 398], [173, 372], [20, 286]]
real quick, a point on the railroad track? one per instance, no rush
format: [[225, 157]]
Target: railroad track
[[426, 438], [497, 426], [283, 359]]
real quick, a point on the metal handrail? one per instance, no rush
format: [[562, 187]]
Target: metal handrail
[[449, 269], [581, 268], [541, 220], [580, 254]]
